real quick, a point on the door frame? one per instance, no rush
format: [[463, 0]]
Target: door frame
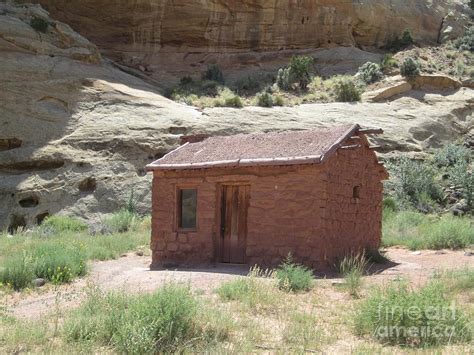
[[218, 233]]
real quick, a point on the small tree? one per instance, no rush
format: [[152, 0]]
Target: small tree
[[410, 68], [299, 68]]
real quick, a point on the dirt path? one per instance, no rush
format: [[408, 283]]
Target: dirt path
[[131, 273]]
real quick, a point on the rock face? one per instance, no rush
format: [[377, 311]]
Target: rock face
[[76, 132], [184, 35]]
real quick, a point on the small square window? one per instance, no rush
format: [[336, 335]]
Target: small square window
[[356, 192], [187, 205]]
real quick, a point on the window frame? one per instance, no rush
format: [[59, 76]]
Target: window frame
[[178, 205]]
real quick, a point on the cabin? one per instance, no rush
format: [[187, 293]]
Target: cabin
[[253, 199]]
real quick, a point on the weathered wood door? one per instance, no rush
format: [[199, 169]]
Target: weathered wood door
[[234, 205]]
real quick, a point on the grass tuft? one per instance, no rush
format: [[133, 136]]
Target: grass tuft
[[294, 277], [352, 268]]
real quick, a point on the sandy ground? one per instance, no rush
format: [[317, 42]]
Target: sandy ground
[[131, 273]]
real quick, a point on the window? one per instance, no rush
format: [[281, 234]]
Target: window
[[356, 192], [187, 202]]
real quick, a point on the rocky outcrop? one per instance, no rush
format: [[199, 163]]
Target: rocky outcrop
[[76, 133], [185, 35]]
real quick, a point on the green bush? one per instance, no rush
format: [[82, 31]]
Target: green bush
[[247, 85], [298, 71], [451, 155], [466, 42], [278, 101], [234, 101], [410, 68], [39, 24], [300, 67], [213, 73], [414, 183], [388, 62], [346, 90], [265, 99], [59, 224], [167, 321], [370, 73], [400, 43], [352, 268], [294, 277], [398, 315], [284, 79], [121, 221], [463, 176], [17, 271]]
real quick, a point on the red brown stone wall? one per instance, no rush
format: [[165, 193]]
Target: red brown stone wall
[[307, 210], [353, 224]]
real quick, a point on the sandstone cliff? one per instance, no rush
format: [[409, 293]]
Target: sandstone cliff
[[76, 133], [184, 35]]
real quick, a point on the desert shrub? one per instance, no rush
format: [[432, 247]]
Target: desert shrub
[[278, 101], [247, 85], [167, 321], [396, 314], [233, 101], [59, 224], [17, 271], [414, 183], [346, 90], [300, 67], [388, 62], [463, 176], [417, 231], [466, 42], [294, 277], [352, 268], [389, 204], [298, 71], [213, 73], [121, 221], [265, 99], [370, 73], [39, 24], [450, 155], [254, 290], [410, 68], [398, 43], [284, 79]]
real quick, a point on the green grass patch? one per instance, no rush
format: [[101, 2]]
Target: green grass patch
[[398, 315], [294, 277], [169, 320], [58, 251], [418, 231], [255, 291], [60, 224]]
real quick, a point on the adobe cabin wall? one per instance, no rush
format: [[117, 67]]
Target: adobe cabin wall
[[355, 223], [298, 209]]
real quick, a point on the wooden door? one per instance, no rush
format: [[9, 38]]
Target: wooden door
[[234, 204]]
